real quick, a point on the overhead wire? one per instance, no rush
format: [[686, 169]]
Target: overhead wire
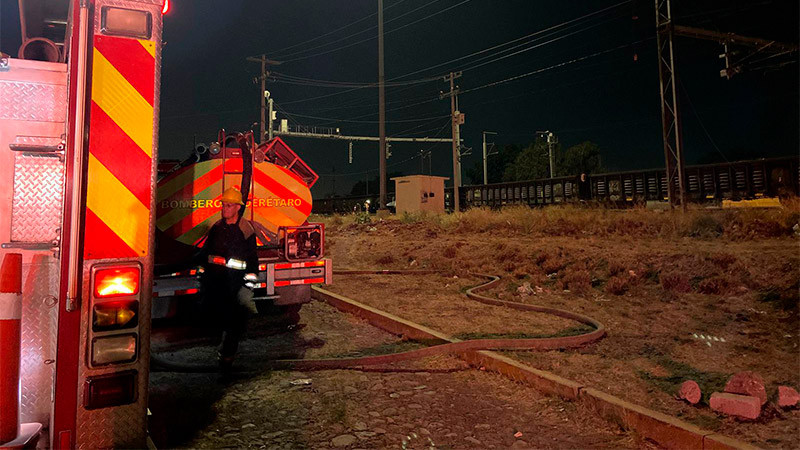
[[281, 50], [536, 33], [375, 37]]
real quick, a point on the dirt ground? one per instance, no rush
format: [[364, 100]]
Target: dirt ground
[[702, 304], [434, 403]]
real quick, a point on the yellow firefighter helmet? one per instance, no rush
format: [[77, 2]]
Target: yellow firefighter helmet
[[232, 195]]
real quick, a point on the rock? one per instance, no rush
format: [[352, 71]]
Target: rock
[[424, 432], [690, 391], [365, 434], [379, 430], [394, 395], [472, 440], [360, 426], [483, 426], [519, 443], [374, 414], [343, 440], [414, 406], [745, 406], [350, 390], [787, 396], [389, 411], [747, 383]]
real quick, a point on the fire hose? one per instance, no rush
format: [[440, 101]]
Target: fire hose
[[449, 346]]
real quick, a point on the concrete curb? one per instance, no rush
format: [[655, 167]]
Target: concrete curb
[[663, 429]]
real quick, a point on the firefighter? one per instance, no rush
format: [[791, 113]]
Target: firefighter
[[230, 260]]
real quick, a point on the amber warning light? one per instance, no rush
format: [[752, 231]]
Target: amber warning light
[[114, 282]]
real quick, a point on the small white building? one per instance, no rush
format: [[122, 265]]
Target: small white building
[[416, 193]]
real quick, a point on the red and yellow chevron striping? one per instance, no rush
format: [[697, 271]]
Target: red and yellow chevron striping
[[121, 121], [189, 199]]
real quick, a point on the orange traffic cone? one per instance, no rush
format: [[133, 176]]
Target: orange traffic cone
[[10, 329]]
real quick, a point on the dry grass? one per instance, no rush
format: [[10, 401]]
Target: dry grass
[[738, 224]]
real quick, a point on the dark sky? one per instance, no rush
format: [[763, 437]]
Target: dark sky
[[602, 93]]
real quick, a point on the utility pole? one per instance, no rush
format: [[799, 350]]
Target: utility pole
[[552, 140], [457, 119], [264, 94], [381, 110], [485, 155], [271, 116]]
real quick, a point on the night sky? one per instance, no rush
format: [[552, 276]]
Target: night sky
[[596, 80]]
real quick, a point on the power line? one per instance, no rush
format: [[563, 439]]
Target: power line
[[281, 50], [554, 66], [551, 28], [375, 37], [291, 79]]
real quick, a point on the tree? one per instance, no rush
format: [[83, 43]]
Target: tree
[[532, 163], [495, 165], [578, 159]]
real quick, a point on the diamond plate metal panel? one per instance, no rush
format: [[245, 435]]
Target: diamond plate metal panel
[[38, 197], [129, 422], [39, 333], [32, 101]]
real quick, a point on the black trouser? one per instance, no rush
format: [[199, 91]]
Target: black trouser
[[226, 310]]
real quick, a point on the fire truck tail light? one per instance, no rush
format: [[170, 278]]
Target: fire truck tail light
[[110, 390], [165, 8], [114, 282], [114, 349], [115, 315]]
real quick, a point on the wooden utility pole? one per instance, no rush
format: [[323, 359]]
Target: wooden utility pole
[[381, 110], [456, 119], [262, 135]]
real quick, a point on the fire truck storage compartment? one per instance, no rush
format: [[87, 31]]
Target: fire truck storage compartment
[[32, 123]]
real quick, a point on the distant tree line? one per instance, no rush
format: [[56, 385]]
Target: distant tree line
[[512, 163]]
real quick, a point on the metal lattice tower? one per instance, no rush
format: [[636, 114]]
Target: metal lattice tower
[[671, 125]]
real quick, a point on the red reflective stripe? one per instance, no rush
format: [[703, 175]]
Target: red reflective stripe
[[313, 280], [282, 283], [196, 217], [283, 266], [314, 263], [120, 154], [192, 188], [104, 243], [132, 61], [281, 191]]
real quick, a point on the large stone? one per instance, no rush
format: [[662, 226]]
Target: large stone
[[744, 406], [690, 391], [747, 383], [787, 396], [343, 440]]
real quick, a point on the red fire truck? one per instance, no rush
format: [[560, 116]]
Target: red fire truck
[[78, 156]]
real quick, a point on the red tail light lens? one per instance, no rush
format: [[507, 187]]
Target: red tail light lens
[[165, 8], [114, 282], [110, 390]]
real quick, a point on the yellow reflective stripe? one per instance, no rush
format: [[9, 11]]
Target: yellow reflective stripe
[[175, 215], [180, 181], [266, 222], [122, 102], [150, 46], [117, 207], [191, 236], [287, 181], [291, 213]]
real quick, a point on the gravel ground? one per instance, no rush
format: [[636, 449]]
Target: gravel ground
[[437, 402]]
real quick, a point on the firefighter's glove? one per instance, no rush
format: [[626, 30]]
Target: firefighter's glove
[[245, 298], [250, 280]]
